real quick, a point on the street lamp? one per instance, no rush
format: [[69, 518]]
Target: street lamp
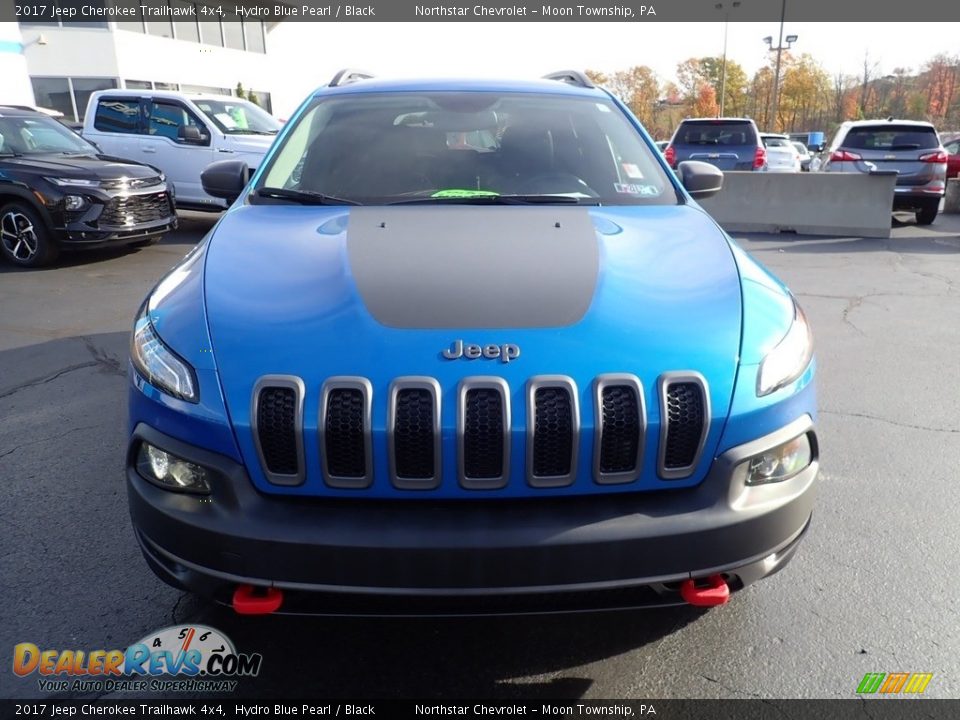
[[779, 50], [723, 71]]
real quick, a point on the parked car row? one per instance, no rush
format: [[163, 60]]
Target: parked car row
[[120, 179], [911, 149]]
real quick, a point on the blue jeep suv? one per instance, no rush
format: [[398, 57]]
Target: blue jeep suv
[[468, 346]]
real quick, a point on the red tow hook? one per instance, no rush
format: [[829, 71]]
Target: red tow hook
[[717, 592], [248, 600]]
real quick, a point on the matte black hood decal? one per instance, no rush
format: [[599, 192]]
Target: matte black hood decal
[[469, 267]]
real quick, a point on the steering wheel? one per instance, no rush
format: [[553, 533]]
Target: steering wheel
[[556, 183]]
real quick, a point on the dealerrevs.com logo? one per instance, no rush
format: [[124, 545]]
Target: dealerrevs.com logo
[[176, 659]]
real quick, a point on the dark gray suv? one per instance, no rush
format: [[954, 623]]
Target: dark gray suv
[[911, 148], [728, 143]]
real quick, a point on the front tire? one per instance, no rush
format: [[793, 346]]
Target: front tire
[[24, 239], [928, 213]]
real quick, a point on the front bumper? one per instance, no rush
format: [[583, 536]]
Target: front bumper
[[504, 556], [99, 224]]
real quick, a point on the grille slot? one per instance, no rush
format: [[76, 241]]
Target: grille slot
[[413, 433], [684, 420], [130, 210], [620, 426], [345, 432], [277, 424], [483, 432], [553, 424]]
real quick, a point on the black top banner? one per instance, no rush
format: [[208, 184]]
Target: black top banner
[[214, 709], [866, 11]]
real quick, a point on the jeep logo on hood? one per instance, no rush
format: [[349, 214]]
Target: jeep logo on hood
[[506, 352]]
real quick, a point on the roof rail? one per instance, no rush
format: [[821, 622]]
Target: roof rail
[[349, 75], [571, 77]]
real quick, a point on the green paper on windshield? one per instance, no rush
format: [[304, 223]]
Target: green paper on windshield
[[457, 193]]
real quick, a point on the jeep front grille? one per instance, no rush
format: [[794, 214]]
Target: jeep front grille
[[413, 439], [413, 433], [277, 425], [345, 432], [620, 427], [483, 432], [684, 421]]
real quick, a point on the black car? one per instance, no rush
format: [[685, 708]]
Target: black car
[[57, 192], [728, 143]]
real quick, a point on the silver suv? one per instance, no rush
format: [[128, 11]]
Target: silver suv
[[909, 147]]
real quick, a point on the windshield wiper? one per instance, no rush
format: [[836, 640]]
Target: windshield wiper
[[500, 200], [304, 197], [248, 131]]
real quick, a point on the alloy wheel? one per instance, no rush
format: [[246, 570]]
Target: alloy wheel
[[18, 235]]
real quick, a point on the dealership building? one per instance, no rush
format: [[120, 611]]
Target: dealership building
[[58, 63]]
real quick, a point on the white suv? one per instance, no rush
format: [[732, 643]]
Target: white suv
[[179, 133]]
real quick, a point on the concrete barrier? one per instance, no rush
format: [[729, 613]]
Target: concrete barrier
[[951, 203], [805, 203]]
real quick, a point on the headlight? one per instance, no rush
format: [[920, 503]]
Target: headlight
[[780, 463], [158, 364], [73, 182], [787, 361], [170, 471]]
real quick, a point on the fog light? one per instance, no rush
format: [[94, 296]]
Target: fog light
[[73, 202], [780, 463], [170, 471]]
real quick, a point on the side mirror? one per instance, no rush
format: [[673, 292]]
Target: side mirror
[[702, 180], [190, 134], [225, 179]]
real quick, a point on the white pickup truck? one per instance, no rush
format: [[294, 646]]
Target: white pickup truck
[[180, 134]]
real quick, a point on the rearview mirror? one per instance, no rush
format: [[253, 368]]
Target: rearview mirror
[[702, 180], [225, 179]]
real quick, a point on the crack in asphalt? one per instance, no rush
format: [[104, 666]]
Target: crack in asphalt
[[47, 439], [730, 687], [951, 431], [101, 359], [47, 378], [852, 304], [110, 364]]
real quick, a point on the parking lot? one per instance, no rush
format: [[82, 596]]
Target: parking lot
[[871, 590]]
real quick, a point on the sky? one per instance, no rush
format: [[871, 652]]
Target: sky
[[528, 49]]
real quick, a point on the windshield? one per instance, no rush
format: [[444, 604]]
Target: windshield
[[37, 135], [238, 117], [378, 148], [777, 142]]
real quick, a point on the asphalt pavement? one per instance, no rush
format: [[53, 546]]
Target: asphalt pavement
[[874, 587]]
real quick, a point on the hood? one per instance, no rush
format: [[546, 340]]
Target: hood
[[382, 292], [252, 144], [86, 167]]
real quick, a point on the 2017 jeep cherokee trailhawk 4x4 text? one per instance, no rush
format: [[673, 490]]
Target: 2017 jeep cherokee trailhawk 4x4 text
[[468, 347]]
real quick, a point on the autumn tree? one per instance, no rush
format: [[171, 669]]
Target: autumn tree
[[637, 87], [706, 102]]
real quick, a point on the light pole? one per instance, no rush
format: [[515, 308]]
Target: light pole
[[779, 49], [723, 67]]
